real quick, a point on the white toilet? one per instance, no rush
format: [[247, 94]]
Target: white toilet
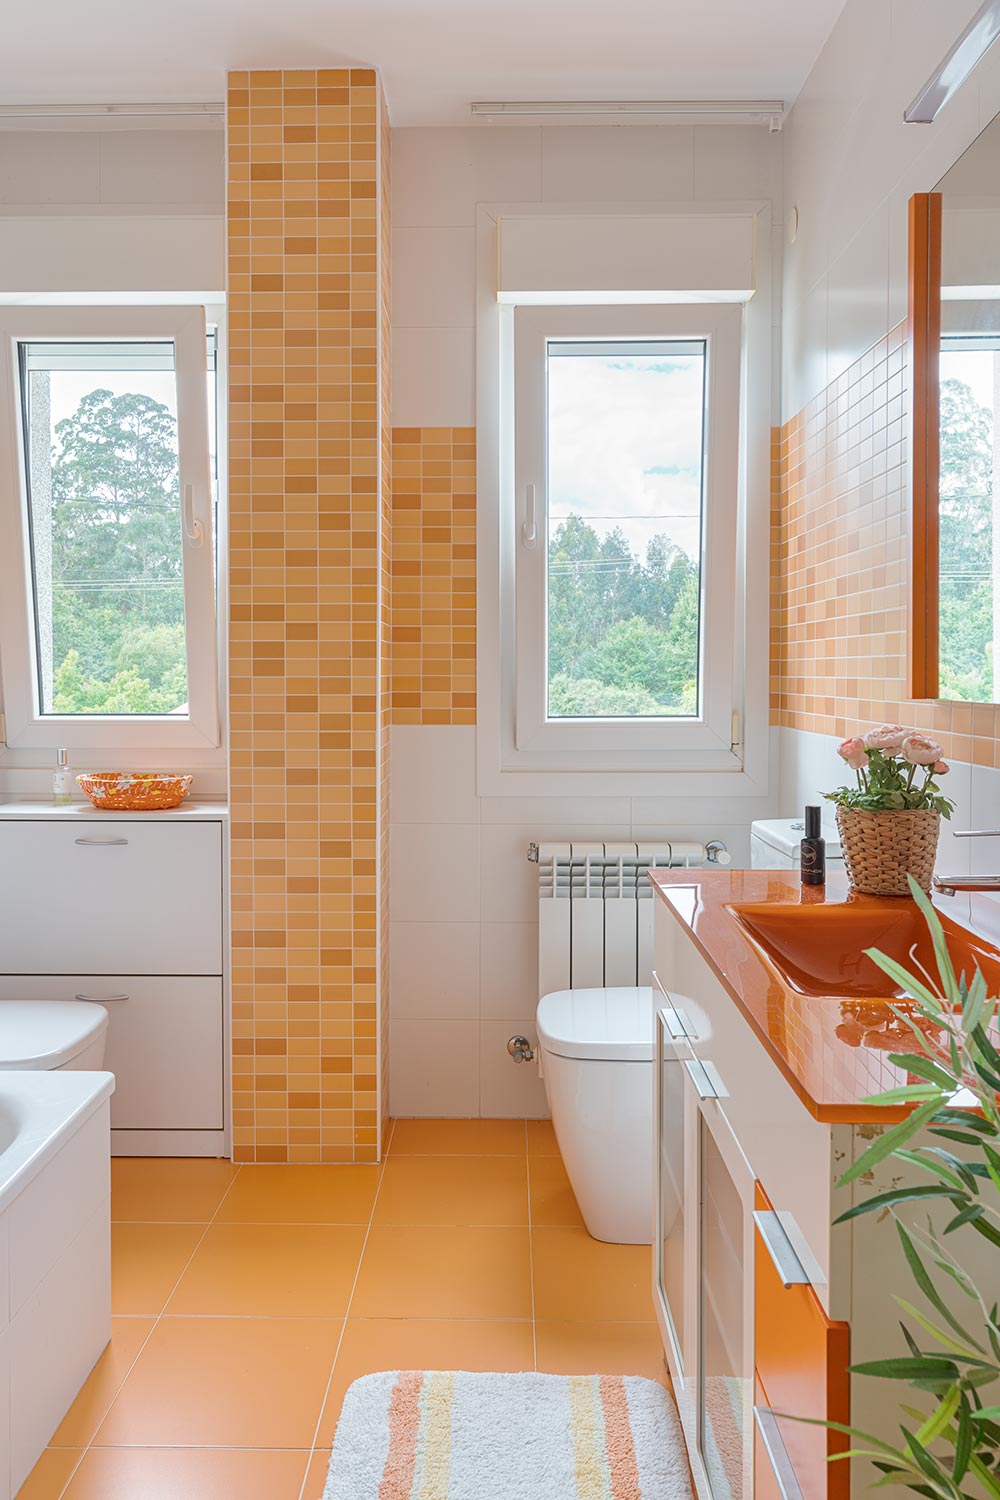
[[597, 1066], [42, 1035]]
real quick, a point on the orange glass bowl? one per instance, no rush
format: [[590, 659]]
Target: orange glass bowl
[[135, 791]]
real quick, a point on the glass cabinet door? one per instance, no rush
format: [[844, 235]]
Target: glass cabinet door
[[724, 1401], [670, 1160]]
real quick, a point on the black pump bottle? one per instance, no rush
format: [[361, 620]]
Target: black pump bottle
[[812, 857]]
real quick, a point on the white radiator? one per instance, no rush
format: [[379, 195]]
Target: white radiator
[[595, 909]]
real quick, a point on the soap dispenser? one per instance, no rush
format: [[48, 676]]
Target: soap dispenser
[[62, 779], [812, 850]]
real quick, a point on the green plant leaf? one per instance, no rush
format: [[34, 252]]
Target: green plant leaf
[[946, 968], [885, 1144], [942, 1173], [907, 982], [895, 1195], [967, 1350], [926, 1367], [921, 1276], [939, 1419], [925, 1067]]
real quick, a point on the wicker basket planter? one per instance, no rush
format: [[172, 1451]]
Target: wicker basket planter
[[881, 848]]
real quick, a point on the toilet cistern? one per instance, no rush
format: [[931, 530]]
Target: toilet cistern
[[947, 885]]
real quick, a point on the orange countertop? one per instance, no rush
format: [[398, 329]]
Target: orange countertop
[[832, 1048]]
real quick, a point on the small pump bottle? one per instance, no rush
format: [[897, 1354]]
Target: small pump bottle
[[62, 779], [812, 850]]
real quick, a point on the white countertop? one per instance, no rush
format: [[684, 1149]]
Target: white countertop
[[188, 812]]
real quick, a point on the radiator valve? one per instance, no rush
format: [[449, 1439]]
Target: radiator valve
[[521, 1049]]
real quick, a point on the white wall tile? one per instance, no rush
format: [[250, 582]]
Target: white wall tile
[[619, 163], [42, 167], [508, 1089], [164, 166], [578, 812], [857, 292], [434, 377], [434, 1068], [433, 278], [434, 872], [509, 879], [440, 174], [509, 984], [434, 970], [433, 774], [737, 161]]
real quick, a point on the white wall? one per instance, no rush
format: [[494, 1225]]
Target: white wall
[[851, 165], [463, 901], [120, 211]]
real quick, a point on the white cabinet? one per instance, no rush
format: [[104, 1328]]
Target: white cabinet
[[128, 912], [110, 897]]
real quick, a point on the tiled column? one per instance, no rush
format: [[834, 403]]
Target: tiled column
[[309, 624]]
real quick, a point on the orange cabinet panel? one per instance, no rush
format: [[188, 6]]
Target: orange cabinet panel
[[801, 1358]]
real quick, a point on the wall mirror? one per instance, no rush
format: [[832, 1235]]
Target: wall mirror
[[954, 633]]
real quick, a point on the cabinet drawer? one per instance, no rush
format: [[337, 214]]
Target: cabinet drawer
[[164, 1044], [801, 1359], [110, 897]]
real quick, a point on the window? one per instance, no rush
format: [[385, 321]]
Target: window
[[626, 477], [109, 627], [969, 601]]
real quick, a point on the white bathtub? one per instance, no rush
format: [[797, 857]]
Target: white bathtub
[[55, 1253]]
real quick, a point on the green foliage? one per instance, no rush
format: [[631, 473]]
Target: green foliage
[[117, 582], [950, 1447], [623, 634], [966, 548], [889, 784]]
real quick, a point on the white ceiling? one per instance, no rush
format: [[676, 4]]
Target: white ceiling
[[435, 55]]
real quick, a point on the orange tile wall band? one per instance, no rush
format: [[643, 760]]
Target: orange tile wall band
[[309, 618], [839, 562], [434, 575]]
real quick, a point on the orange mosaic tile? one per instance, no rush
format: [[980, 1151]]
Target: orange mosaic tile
[[839, 564], [434, 575], [309, 536]]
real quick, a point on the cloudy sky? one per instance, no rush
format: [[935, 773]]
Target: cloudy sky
[[625, 444]]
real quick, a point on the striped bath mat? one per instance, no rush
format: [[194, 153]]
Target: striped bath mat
[[437, 1435]]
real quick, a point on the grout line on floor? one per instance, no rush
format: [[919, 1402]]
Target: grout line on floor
[[343, 1326], [531, 1252], [152, 1329]]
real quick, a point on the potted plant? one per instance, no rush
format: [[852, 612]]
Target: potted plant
[[949, 1447], [890, 820]]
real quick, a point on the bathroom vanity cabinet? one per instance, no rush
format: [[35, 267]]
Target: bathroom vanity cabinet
[[762, 1300], [128, 910]]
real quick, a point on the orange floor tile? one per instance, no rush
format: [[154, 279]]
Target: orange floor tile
[[247, 1299]]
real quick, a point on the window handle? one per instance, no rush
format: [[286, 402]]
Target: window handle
[[100, 843], [194, 531], [529, 531]]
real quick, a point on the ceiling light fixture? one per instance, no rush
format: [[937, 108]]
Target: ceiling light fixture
[[739, 111], [970, 49], [82, 111]]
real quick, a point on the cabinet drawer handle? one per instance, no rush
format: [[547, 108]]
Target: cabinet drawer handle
[[675, 1018], [699, 1076], [777, 1454], [100, 999], [790, 1269], [99, 843]]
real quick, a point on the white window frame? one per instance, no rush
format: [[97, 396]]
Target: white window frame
[[610, 743], [25, 724], [638, 253]]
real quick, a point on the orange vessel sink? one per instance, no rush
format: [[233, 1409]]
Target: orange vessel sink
[[820, 950]]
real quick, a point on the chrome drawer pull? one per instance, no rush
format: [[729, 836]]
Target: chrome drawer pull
[[699, 1076], [100, 999], [98, 843], [686, 1033], [777, 1454], [790, 1269]]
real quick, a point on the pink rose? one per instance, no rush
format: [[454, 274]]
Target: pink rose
[[888, 738], [941, 768], [921, 750], [853, 751]]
